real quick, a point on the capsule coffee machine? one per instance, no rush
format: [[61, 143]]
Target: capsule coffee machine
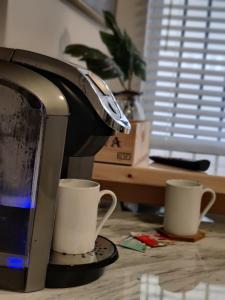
[[50, 112]]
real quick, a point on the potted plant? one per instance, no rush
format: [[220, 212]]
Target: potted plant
[[124, 63]]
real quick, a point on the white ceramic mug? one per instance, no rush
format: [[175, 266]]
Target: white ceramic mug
[[183, 205], [76, 228]]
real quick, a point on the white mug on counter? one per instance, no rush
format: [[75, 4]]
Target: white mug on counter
[[76, 228], [183, 205]]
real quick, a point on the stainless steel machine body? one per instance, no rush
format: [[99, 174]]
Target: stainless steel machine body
[[50, 111]]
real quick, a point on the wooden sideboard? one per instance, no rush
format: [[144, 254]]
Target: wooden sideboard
[[145, 182]]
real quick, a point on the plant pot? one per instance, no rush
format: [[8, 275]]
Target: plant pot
[[131, 105]]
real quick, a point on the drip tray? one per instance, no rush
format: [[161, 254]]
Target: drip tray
[[73, 270]]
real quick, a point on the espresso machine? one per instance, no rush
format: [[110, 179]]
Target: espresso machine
[[55, 117]]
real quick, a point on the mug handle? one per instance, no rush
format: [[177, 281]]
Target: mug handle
[[211, 201], [109, 211]]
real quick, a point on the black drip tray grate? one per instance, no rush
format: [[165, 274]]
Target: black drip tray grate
[[72, 270]]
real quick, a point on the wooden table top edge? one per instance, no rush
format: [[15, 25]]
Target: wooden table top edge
[[154, 175]]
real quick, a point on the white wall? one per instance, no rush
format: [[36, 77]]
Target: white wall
[[131, 16], [47, 26], [3, 9]]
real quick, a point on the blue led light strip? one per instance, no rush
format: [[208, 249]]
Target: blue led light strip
[[15, 262]]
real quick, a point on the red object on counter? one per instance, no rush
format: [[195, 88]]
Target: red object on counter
[[147, 240]]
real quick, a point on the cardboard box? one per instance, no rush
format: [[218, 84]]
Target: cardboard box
[[127, 149]]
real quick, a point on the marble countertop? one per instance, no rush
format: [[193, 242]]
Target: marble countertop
[[180, 271]]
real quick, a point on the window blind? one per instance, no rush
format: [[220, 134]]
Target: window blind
[[184, 94]]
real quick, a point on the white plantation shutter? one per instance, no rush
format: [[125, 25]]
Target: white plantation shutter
[[184, 94]]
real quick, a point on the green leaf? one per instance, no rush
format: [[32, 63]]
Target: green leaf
[[111, 23], [117, 44], [110, 41], [137, 64], [96, 61], [126, 59], [131, 51], [76, 49], [84, 52], [118, 49], [139, 68], [106, 69]]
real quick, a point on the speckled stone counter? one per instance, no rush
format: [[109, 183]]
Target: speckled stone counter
[[180, 271]]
